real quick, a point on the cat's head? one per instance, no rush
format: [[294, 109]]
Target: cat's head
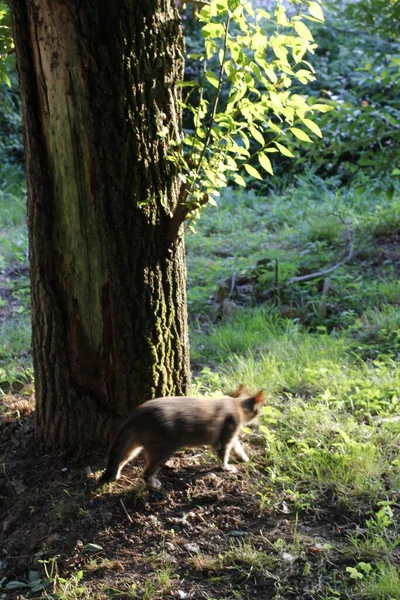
[[251, 406]]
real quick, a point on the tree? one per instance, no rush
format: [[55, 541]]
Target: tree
[[98, 83], [111, 180]]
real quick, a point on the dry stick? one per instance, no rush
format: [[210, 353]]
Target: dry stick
[[126, 512], [196, 3], [233, 283], [326, 271], [325, 291], [277, 279]]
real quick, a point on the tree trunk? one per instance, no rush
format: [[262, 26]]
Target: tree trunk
[[109, 325]]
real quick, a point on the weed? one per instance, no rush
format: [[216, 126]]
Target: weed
[[239, 561], [154, 587], [69, 504], [379, 583]]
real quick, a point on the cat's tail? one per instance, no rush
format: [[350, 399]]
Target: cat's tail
[[124, 448]]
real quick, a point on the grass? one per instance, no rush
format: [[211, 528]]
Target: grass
[[329, 436], [325, 457], [15, 328], [13, 238]]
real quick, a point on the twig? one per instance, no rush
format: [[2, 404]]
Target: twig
[[196, 3], [215, 102], [324, 294], [126, 512], [276, 273], [324, 272], [233, 283]]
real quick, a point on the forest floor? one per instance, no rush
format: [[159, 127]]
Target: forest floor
[[203, 536], [315, 515]]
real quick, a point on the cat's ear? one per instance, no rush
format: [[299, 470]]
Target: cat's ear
[[241, 391], [259, 397]]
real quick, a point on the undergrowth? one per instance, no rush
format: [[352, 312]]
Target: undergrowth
[[325, 455], [15, 329], [327, 447]]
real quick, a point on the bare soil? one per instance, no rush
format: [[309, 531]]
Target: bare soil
[[123, 536]]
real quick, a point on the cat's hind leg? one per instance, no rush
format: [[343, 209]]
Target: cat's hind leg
[[154, 462], [124, 449]]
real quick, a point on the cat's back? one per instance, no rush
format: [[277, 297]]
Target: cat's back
[[191, 409], [188, 421]]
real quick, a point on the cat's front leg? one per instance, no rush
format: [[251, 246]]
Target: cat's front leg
[[224, 455], [240, 453]]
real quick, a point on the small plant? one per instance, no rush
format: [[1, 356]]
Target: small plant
[[34, 584], [63, 588], [255, 60]]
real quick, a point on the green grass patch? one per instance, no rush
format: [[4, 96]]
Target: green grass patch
[[327, 448], [15, 326], [325, 456], [13, 234]]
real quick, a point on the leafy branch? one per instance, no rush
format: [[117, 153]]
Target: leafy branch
[[215, 104], [6, 43], [253, 110]]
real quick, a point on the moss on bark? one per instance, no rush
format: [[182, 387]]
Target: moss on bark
[[98, 83]]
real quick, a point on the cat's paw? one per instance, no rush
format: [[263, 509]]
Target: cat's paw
[[153, 483], [230, 468]]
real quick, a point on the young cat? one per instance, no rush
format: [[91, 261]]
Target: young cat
[[162, 426]]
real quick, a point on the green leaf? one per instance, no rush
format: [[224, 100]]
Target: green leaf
[[93, 547], [284, 150], [354, 574], [312, 126], [212, 78], [322, 107], [187, 84], [263, 13], [276, 101], [239, 179], [316, 11], [265, 162], [253, 172], [303, 31], [271, 75], [366, 567], [249, 9], [274, 127], [281, 17], [4, 78], [245, 139], [300, 134], [303, 75], [215, 30], [205, 13], [38, 587], [256, 135], [14, 585], [233, 4]]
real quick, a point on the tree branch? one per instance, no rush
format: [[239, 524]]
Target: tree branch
[[184, 207], [324, 272]]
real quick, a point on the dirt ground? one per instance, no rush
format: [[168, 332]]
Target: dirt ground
[[124, 537]]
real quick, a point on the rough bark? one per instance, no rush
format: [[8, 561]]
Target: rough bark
[[109, 327]]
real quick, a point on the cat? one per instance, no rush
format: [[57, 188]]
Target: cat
[[162, 426]]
